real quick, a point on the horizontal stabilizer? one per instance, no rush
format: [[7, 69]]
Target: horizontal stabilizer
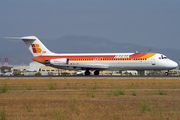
[[22, 38], [17, 38]]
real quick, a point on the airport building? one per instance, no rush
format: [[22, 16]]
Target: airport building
[[35, 66], [46, 70], [5, 69], [21, 68]]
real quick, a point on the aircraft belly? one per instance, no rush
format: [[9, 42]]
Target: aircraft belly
[[109, 65], [131, 65]]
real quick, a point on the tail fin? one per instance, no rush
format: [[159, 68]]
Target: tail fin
[[34, 44]]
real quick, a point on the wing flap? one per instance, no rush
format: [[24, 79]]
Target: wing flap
[[92, 66]]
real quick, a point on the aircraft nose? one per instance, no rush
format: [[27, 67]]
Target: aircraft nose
[[174, 64]]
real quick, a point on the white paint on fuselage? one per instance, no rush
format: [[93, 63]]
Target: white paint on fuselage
[[152, 63]]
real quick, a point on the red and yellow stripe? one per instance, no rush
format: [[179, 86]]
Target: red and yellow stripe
[[135, 55]]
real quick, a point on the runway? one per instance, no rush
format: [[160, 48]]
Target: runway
[[89, 77]]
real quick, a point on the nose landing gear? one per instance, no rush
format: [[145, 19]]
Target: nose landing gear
[[166, 72]]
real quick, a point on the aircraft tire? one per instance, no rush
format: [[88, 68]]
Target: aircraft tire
[[87, 72], [166, 73], [96, 72]]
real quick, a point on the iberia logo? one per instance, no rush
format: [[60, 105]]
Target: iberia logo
[[35, 48]]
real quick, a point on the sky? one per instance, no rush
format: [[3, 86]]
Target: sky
[[152, 23]]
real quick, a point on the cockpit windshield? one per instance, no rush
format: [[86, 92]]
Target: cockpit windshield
[[163, 57]]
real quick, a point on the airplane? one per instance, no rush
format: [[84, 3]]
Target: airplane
[[2, 74], [9, 73], [97, 61]]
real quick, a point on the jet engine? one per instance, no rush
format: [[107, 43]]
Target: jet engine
[[61, 61]]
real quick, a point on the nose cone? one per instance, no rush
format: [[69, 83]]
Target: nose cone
[[174, 64]]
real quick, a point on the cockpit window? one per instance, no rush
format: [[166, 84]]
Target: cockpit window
[[163, 57]]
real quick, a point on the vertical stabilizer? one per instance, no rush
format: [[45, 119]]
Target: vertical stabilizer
[[36, 47]]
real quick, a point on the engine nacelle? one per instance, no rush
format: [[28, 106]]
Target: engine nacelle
[[61, 61]]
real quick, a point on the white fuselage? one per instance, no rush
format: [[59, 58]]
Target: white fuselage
[[155, 62]]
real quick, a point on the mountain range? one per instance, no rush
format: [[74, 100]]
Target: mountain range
[[17, 52]]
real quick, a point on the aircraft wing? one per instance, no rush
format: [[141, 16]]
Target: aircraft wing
[[86, 66], [92, 66]]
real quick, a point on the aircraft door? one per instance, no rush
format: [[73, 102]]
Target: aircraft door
[[99, 60], [153, 61], [96, 59]]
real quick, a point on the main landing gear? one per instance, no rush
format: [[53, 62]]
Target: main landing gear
[[87, 72], [96, 72]]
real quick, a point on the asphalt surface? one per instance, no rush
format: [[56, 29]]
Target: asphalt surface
[[91, 76]]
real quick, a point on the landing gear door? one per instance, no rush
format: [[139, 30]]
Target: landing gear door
[[153, 61]]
